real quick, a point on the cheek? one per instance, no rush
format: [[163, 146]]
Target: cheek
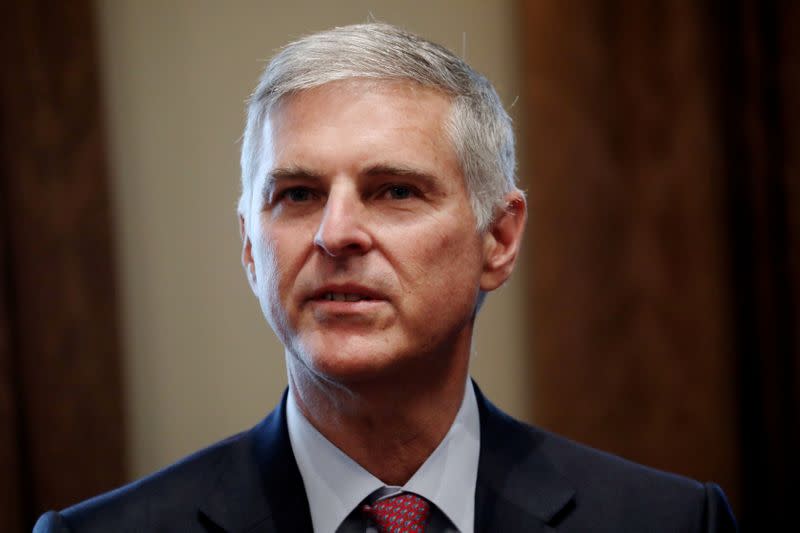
[[283, 255], [272, 277], [266, 260], [446, 262], [276, 254], [459, 248]]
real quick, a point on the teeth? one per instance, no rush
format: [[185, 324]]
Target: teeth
[[342, 297]]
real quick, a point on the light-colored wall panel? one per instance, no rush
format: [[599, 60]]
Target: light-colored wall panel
[[200, 361]]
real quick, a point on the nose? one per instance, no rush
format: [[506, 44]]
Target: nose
[[342, 231]]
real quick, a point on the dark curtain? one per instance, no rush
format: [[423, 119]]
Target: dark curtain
[[759, 55], [661, 155], [61, 421]]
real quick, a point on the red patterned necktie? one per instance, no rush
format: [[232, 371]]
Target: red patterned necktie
[[404, 513]]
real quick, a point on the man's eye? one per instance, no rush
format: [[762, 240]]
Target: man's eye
[[399, 192], [297, 194]]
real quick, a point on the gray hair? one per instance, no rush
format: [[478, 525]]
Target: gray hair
[[478, 126]]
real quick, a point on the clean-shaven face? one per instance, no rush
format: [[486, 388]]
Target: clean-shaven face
[[364, 247]]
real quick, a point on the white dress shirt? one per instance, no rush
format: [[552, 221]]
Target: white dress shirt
[[335, 484]]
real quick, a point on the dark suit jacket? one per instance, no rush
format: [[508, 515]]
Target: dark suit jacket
[[528, 480]]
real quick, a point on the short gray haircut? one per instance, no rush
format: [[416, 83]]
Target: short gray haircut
[[478, 125]]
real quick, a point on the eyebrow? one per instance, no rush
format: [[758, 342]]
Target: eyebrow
[[399, 171], [381, 169], [287, 173]]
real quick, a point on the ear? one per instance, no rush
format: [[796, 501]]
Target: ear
[[502, 241], [247, 254]]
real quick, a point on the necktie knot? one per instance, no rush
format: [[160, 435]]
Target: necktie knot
[[404, 513]]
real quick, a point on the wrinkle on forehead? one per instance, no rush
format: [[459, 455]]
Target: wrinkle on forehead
[[350, 100], [347, 93]]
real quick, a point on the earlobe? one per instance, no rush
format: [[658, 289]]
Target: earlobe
[[502, 241]]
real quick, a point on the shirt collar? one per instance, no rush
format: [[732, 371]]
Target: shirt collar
[[335, 484]]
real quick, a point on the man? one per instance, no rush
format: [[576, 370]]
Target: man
[[378, 207]]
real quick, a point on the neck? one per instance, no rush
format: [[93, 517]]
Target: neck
[[389, 425]]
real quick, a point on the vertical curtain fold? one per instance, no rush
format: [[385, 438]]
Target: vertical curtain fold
[[759, 57], [61, 401], [662, 152]]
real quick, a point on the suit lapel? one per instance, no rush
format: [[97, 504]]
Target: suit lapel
[[518, 488], [259, 489]]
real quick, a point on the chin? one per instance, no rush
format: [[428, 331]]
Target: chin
[[350, 364]]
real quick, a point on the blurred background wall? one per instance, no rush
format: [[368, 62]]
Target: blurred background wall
[[653, 315]]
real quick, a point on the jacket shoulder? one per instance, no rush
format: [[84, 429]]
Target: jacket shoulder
[[166, 500], [612, 489], [586, 489], [615, 490], [50, 522]]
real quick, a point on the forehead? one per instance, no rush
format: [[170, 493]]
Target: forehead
[[362, 119]]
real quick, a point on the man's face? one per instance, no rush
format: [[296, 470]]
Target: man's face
[[361, 241]]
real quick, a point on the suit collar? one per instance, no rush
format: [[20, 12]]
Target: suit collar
[[517, 485], [259, 488]]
